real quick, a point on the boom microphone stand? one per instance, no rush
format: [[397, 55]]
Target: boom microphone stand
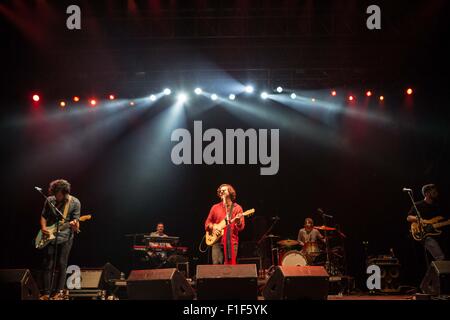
[[419, 217], [324, 217], [272, 248], [59, 216]]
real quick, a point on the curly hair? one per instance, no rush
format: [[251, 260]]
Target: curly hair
[[428, 188], [59, 185], [231, 191]]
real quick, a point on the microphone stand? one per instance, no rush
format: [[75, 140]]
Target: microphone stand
[[59, 216], [272, 249], [419, 219], [324, 217]]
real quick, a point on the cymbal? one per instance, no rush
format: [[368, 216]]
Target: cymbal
[[325, 228], [272, 236], [288, 243]]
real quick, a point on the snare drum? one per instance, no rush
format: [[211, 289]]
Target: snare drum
[[294, 258]]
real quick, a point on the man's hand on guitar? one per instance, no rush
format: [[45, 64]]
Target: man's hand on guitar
[[45, 231], [75, 225]]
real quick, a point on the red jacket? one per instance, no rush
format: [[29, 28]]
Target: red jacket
[[218, 213]]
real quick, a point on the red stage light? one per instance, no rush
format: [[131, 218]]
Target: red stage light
[[111, 97], [334, 93], [369, 93], [36, 97], [351, 98], [62, 104], [93, 102], [381, 98], [76, 98], [409, 91]]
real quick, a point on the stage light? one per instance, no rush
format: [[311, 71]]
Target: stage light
[[313, 99], [131, 103], [264, 95], [232, 96], [62, 104], [293, 96], [279, 89], [214, 97], [351, 98], [409, 91], [93, 102], [76, 98], [334, 93], [249, 89], [381, 98], [152, 97], [167, 91], [369, 93], [198, 91], [36, 98], [182, 97], [111, 97]]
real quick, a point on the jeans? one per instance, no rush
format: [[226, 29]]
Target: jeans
[[217, 252], [434, 248], [63, 257]]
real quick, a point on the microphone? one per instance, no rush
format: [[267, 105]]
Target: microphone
[[38, 189], [321, 213], [407, 190]]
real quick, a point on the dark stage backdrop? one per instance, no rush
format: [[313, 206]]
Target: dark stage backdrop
[[353, 167]]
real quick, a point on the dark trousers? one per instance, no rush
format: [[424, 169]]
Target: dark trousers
[[434, 248], [61, 265], [217, 252]]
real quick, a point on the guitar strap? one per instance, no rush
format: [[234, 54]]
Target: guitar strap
[[66, 207], [229, 246]]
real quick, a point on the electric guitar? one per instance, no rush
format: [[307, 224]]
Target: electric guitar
[[212, 237], [428, 228], [42, 240]]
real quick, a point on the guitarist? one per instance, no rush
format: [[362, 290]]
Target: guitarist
[[428, 209], [225, 250], [59, 191]]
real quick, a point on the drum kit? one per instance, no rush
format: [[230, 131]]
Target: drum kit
[[330, 253]]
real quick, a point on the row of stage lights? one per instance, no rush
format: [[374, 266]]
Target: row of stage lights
[[183, 97]]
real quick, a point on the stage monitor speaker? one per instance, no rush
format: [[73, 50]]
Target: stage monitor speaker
[[158, 284], [99, 278], [18, 284], [219, 282], [297, 283], [437, 279]]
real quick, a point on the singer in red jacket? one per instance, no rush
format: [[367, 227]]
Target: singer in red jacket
[[225, 250]]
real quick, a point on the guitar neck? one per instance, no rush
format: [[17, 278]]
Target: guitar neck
[[441, 224]]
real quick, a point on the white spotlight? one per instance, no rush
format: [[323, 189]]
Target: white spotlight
[[182, 97], [249, 89], [232, 96], [293, 96], [264, 95], [198, 91], [153, 97], [214, 97], [279, 89], [167, 91]]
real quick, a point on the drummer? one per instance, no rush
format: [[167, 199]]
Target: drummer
[[308, 234]]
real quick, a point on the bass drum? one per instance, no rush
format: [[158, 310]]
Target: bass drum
[[294, 258]]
